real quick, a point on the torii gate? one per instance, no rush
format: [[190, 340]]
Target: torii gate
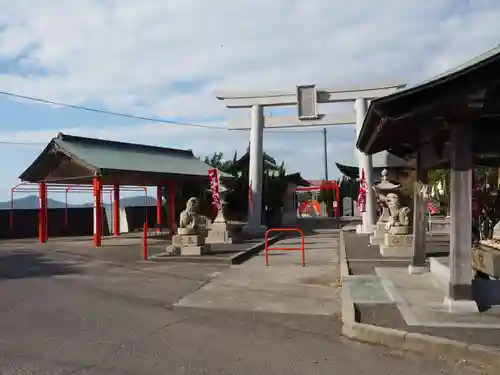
[[306, 98]]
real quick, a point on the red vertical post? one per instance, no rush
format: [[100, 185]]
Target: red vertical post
[[11, 214], [171, 207], [337, 193], [116, 210], [159, 198], [97, 212], [145, 242], [42, 218], [66, 208]]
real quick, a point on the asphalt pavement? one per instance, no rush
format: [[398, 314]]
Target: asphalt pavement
[[61, 313]]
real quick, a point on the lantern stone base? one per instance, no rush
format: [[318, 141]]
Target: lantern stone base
[[224, 233]]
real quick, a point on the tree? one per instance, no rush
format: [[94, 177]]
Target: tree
[[217, 161]]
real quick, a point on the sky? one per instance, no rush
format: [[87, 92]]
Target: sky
[[165, 59]]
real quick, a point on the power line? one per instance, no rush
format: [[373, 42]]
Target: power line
[[110, 113], [294, 131], [125, 115], [21, 143]]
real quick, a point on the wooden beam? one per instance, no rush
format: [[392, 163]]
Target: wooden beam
[[294, 122]]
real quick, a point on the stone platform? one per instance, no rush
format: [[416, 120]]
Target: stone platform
[[406, 310], [221, 253], [486, 292]]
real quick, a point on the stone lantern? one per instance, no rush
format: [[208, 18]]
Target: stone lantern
[[221, 231], [383, 189], [394, 227]]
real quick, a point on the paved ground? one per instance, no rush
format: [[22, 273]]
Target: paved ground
[[283, 287], [62, 313], [127, 248]]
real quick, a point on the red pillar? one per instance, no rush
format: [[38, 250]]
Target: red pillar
[[116, 210], [159, 198], [42, 218], [337, 193], [97, 211], [171, 207]]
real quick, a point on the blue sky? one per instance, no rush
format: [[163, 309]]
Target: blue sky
[[165, 59]]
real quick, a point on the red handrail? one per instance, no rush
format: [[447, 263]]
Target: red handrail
[[301, 248], [145, 242]]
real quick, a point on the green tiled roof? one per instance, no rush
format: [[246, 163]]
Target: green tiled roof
[[101, 155]]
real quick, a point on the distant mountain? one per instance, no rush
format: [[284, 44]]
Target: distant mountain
[[130, 201], [31, 202]]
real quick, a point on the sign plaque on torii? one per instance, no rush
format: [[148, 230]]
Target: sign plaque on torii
[[306, 98]]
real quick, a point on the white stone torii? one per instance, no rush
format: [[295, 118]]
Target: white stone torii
[[306, 98]]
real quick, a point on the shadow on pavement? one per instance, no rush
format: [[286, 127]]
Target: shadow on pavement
[[31, 264]]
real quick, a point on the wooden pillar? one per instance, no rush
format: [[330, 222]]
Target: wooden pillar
[[418, 264], [116, 210], [460, 287], [42, 215], [97, 212], [159, 199], [171, 207]]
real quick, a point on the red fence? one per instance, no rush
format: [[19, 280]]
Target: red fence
[[301, 248]]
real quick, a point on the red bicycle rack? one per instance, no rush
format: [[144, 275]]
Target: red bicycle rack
[[301, 248]]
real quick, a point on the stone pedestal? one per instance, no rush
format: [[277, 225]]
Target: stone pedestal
[[397, 243], [486, 259], [188, 241], [224, 233], [196, 239]]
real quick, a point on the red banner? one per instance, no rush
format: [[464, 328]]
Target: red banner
[[361, 202], [213, 178], [432, 209]]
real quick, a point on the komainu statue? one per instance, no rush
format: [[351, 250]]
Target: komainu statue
[[189, 217], [399, 216]]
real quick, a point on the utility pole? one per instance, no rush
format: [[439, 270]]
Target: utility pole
[[325, 153]]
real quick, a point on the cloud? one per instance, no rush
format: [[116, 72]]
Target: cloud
[[166, 58]]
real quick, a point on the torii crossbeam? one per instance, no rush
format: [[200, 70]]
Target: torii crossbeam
[[306, 98]]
